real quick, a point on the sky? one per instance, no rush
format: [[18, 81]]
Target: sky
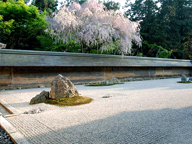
[[122, 2]]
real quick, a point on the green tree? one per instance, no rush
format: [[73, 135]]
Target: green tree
[[49, 5], [26, 1], [111, 5], [20, 24], [166, 25], [5, 27], [188, 46]]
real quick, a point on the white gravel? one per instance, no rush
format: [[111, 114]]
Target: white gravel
[[154, 111]]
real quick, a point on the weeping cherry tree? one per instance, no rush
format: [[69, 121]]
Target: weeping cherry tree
[[91, 24]]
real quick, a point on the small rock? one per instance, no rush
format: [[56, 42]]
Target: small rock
[[106, 82], [190, 79], [35, 111], [183, 78], [41, 86], [107, 96]]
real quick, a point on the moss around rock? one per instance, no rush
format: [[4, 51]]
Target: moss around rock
[[187, 82], [103, 84], [77, 100], [112, 81]]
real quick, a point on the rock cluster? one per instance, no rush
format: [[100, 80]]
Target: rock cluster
[[35, 111], [61, 87], [112, 81]]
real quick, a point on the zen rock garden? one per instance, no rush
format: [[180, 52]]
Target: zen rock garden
[[63, 93]]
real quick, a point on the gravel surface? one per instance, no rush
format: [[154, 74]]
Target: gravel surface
[[139, 112], [4, 137]]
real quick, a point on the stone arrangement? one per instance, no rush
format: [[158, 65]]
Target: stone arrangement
[[112, 81], [61, 87], [35, 111], [4, 137]]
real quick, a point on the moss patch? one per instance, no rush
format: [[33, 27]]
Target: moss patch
[[77, 100], [184, 82], [102, 84]]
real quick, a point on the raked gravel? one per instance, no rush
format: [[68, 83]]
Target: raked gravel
[[139, 112]]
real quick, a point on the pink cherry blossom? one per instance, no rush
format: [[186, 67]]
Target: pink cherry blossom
[[92, 24]]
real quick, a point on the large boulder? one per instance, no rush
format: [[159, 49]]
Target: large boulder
[[183, 79], [40, 97], [62, 87]]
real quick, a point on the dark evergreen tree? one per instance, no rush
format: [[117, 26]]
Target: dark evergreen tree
[[111, 5], [49, 5], [175, 22]]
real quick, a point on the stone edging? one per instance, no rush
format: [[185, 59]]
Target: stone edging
[[10, 109]]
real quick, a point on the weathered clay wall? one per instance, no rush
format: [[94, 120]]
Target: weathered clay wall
[[28, 77], [27, 69]]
